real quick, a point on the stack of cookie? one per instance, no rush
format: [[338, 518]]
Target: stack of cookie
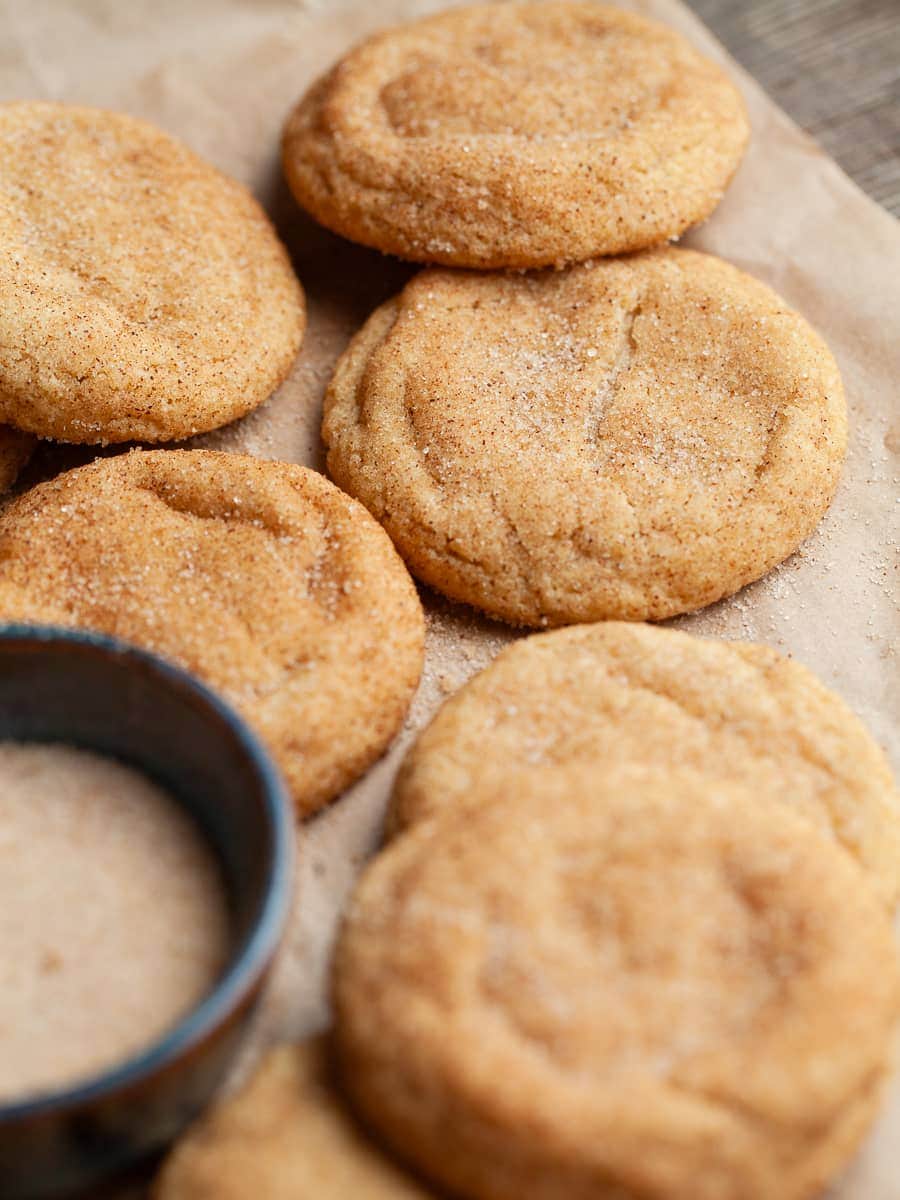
[[631, 935]]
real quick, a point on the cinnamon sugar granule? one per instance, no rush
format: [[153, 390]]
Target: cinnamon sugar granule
[[113, 920]]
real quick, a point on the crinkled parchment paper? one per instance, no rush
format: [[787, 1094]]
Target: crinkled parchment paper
[[222, 74]]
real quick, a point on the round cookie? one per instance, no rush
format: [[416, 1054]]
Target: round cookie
[[147, 295], [16, 448], [691, 997], [516, 135], [259, 577], [619, 693], [627, 439], [285, 1136]]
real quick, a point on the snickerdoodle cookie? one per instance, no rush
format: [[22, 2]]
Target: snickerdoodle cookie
[[285, 1136], [146, 295], [619, 693], [260, 577], [516, 135], [16, 448], [634, 438], [672, 993]]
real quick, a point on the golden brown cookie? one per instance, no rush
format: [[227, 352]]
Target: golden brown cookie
[[633, 438], [669, 993], [16, 448], [259, 577], [516, 135], [619, 693], [146, 295], [287, 1135]]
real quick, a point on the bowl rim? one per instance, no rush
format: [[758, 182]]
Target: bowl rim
[[251, 957]]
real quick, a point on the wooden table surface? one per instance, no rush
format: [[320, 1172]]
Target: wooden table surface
[[834, 66]]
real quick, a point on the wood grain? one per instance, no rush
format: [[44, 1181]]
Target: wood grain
[[834, 66]]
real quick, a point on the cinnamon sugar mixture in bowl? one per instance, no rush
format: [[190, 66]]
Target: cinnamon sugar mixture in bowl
[[113, 918]]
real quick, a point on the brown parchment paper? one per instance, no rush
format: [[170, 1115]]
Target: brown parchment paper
[[222, 74]]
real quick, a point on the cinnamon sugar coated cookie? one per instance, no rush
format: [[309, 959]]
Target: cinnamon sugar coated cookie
[[667, 993], [146, 295], [259, 577], [516, 135], [620, 693], [285, 1136], [633, 438]]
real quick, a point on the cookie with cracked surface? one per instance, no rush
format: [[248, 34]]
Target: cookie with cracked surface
[[287, 1135], [628, 439], [621, 693], [147, 295], [259, 577], [693, 998], [516, 135]]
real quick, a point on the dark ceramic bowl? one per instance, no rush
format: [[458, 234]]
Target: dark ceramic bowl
[[92, 692]]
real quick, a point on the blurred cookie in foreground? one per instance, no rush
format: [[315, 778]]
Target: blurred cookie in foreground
[[146, 295], [259, 577], [622, 694], [663, 991], [286, 1135], [516, 135], [633, 438]]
